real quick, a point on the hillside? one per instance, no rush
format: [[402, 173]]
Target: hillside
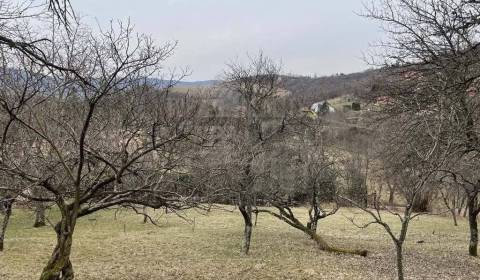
[[313, 89]]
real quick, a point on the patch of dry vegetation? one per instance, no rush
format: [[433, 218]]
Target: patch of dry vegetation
[[125, 248]]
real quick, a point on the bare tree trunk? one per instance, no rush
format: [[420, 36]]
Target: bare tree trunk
[[460, 206], [255, 207], [59, 266], [324, 246], [314, 212], [422, 202], [7, 209], [313, 225], [451, 208], [399, 248], [145, 216], [454, 216], [472, 222], [380, 191], [391, 197], [245, 208], [39, 215]]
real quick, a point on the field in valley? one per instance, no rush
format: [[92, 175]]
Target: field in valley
[[125, 248]]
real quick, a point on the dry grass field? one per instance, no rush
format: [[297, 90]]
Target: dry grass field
[[126, 248]]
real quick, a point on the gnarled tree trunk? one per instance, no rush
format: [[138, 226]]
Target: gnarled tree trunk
[[473, 211], [245, 208], [59, 266], [6, 207], [314, 212], [290, 219], [39, 215], [245, 205], [391, 193], [324, 246]]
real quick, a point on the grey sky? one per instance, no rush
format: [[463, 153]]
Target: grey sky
[[308, 36]]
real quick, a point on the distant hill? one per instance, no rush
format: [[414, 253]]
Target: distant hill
[[184, 84], [206, 83], [307, 90], [326, 87], [323, 88]]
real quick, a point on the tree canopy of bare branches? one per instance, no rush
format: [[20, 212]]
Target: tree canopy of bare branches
[[98, 135], [432, 83]]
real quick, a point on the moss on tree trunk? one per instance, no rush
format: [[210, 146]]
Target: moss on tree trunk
[[289, 218], [59, 266], [324, 246]]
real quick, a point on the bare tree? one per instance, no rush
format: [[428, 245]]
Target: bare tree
[[356, 165], [414, 168], [20, 80], [17, 33], [256, 85], [100, 136], [453, 197], [303, 171], [461, 173], [432, 54]]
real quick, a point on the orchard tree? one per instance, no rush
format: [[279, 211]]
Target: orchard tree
[[20, 80], [303, 169], [256, 85], [453, 197], [432, 71], [18, 33], [414, 163], [100, 134]]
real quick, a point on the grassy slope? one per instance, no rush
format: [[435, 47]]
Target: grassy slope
[[102, 250]]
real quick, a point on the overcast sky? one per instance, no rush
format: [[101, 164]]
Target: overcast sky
[[320, 37]]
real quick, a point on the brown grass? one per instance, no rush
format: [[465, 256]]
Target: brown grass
[[102, 250]]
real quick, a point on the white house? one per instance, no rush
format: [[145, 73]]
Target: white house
[[322, 107]]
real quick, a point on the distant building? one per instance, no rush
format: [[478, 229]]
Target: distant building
[[322, 108], [356, 106], [347, 108]]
